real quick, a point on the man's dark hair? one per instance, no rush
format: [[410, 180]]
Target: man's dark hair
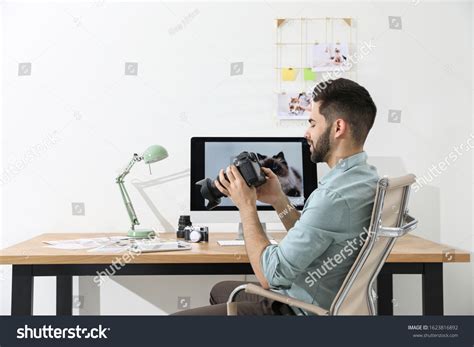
[[343, 98]]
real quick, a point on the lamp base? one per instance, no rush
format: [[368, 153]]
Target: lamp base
[[141, 233]]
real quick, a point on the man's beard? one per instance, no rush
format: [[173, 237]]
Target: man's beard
[[322, 147]]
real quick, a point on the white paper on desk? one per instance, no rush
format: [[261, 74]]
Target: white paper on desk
[[84, 243], [144, 246], [67, 246]]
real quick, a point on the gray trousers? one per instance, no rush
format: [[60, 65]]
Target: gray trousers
[[247, 304]]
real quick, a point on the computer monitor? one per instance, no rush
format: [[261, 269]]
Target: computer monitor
[[289, 157]]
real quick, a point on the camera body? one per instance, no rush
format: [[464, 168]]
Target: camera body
[[249, 167], [196, 234]]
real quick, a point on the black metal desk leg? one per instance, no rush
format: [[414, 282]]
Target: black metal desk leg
[[432, 287], [22, 290], [64, 295], [385, 293]]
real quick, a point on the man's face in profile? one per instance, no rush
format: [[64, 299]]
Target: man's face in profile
[[318, 135]]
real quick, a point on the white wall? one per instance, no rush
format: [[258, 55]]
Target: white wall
[[183, 89]]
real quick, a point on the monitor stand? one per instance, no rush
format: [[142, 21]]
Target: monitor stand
[[240, 233]]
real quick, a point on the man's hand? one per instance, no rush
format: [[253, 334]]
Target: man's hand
[[270, 192], [236, 188]]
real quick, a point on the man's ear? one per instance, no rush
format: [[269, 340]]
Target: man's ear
[[341, 128]]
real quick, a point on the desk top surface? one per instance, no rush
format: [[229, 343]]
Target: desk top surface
[[408, 249]]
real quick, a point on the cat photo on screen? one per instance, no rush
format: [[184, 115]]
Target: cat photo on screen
[[290, 179]]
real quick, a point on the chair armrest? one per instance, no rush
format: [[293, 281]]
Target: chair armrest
[[411, 224], [253, 289]]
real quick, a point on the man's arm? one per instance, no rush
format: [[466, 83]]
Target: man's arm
[[245, 198], [324, 221], [255, 241], [287, 213]]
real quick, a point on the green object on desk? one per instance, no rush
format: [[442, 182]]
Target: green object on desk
[[151, 155]]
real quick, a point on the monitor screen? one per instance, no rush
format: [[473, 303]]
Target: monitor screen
[[287, 157]]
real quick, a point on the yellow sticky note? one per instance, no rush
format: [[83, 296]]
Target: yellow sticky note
[[309, 75], [289, 74]]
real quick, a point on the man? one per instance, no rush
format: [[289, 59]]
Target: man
[[322, 242]]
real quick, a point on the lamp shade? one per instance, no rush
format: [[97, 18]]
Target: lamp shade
[[155, 153]]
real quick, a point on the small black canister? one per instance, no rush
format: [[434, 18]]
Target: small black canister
[[183, 222]]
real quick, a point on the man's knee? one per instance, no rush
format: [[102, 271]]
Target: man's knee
[[213, 310]]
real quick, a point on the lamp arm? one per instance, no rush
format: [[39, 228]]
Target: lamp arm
[[126, 198]]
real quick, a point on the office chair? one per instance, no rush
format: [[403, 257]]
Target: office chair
[[390, 220]]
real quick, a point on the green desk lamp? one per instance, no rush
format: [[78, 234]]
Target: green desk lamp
[[151, 155]]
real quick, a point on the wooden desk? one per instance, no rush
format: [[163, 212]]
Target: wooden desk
[[410, 255]]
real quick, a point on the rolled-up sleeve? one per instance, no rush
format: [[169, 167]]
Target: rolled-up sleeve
[[322, 220]]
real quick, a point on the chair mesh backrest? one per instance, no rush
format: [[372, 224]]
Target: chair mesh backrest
[[354, 294]]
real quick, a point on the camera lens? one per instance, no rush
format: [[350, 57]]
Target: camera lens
[[183, 222], [210, 192], [250, 169]]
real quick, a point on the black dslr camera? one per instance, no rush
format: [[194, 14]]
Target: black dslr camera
[[249, 167]]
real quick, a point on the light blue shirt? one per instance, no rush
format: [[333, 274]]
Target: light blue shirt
[[312, 260]]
